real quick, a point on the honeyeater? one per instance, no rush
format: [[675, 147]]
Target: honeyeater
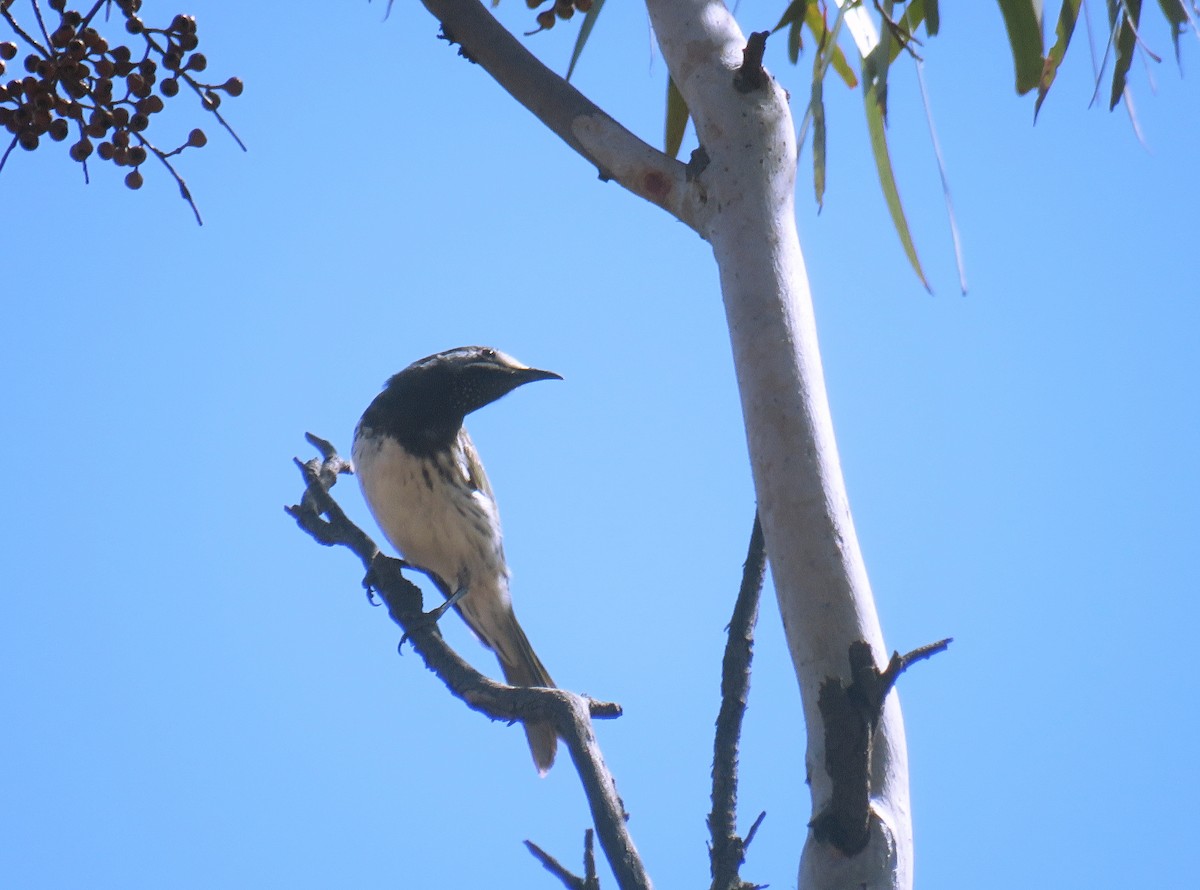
[[423, 480]]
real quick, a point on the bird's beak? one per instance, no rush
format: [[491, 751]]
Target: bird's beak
[[529, 375]]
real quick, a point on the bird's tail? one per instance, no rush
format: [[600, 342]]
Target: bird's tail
[[522, 667]]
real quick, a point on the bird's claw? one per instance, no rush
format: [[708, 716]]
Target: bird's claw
[[432, 617]]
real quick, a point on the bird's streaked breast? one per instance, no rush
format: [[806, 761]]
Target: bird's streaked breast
[[429, 513]]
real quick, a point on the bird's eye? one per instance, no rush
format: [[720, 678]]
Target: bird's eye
[[489, 353]]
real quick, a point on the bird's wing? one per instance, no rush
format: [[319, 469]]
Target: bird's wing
[[472, 467]]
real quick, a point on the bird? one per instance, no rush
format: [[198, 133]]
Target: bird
[[422, 479]]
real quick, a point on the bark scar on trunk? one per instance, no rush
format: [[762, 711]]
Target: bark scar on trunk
[[850, 714]]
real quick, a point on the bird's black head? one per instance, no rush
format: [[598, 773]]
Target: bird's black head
[[424, 405]]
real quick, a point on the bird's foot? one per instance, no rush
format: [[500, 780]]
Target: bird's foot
[[433, 617], [370, 581]]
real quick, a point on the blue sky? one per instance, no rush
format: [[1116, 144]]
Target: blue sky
[[196, 695]]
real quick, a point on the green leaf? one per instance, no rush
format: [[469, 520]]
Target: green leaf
[[794, 42], [1125, 45], [815, 20], [794, 13], [887, 178], [1178, 18], [816, 107], [1067, 17], [941, 165], [842, 67], [1023, 19], [585, 31], [793, 17], [933, 19], [677, 119], [875, 70]]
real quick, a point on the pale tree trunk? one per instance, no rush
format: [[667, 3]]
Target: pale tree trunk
[[741, 201], [816, 563]]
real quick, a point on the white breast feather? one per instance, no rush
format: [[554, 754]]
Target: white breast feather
[[450, 530]]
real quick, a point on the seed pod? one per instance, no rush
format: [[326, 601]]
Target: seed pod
[[81, 150]]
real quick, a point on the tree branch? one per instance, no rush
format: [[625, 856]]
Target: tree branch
[[819, 574], [570, 714], [851, 714], [727, 850], [617, 153], [589, 881]]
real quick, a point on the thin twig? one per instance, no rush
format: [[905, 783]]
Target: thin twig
[[201, 90], [590, 879], [900, 663], [20, 32], [8, 151], [726, 849], [570, 881], [37, 13]]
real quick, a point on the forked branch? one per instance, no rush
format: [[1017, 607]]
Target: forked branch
[[850, 714], [570, 714], [617, 153]]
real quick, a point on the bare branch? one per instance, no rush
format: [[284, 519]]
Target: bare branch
[[726, 849], [589, 881], [570, 714], [850, 715], [617, 153]]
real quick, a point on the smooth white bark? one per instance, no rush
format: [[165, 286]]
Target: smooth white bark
[[742, 203], [820, 579]]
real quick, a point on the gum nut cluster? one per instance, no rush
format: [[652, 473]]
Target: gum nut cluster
[[558, 9], [106, 93]]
